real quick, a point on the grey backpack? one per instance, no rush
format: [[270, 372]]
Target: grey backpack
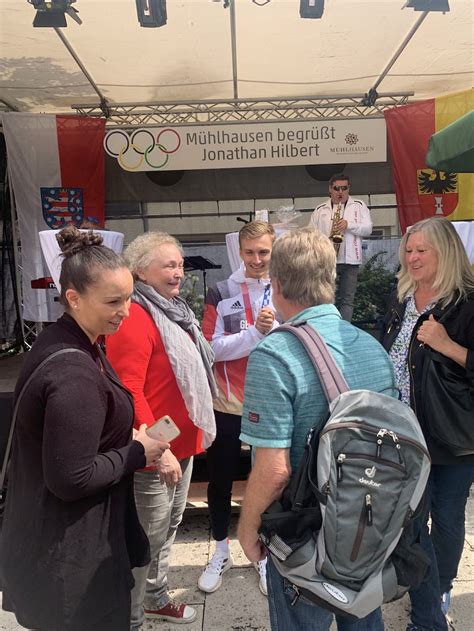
[[342, 532]]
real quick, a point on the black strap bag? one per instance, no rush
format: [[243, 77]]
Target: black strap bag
[[36, 371], [448, 399], [448, 403]]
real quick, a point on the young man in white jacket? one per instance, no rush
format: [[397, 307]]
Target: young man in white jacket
[[238, 314], [354, 223]]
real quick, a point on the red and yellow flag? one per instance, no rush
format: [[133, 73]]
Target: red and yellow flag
[[422, 192]]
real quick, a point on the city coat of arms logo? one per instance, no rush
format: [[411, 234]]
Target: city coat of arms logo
[[62, 206], [437, 192]]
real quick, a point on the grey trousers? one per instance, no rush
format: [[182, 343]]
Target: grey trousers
[[160, 510], [347, 283]]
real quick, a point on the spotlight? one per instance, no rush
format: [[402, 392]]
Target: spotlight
[[53, 13], [312, 9], [151, 13], [428, 5]]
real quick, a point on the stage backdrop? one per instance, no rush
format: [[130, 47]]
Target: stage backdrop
[[56, 169], [422, 192]]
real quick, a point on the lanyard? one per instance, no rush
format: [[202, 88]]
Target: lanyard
[[248, 307], [266, 296]]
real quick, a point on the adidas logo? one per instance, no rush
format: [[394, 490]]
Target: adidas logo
[[236, 305]]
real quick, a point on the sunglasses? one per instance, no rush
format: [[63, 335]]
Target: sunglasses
[[340, 188]]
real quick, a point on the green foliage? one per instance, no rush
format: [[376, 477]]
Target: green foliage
[[374, 286], [190, 292]]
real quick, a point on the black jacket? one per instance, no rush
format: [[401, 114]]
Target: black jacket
[[459, 324], [71, 533]]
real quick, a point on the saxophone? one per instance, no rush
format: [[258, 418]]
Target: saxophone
[[336, 237]]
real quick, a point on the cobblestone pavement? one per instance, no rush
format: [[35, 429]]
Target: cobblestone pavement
[[239, 606]]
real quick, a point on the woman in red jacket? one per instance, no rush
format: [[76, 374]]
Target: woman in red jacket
[[162, 357]]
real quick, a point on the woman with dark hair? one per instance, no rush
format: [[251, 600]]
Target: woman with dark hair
[[71, 534], [429, 333]]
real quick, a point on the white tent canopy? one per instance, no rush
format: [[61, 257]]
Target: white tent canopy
[[274, 53]]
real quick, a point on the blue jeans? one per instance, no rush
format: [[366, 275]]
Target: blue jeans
[[306, 616], [446, 495]]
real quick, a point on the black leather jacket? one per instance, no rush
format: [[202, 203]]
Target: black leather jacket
[[459, 324]]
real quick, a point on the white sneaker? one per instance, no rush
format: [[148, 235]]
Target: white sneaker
[[261, 567], [211, 579]]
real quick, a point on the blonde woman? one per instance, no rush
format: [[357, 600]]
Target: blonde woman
[[433, 313]]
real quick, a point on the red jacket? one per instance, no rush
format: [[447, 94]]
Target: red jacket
[[137, 354]]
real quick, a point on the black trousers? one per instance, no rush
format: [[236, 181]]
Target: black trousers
[[223, 458]]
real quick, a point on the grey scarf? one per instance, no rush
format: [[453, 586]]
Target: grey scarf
[[191, 362]]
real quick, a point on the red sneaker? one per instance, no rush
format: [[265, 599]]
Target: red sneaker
[[173, 611]]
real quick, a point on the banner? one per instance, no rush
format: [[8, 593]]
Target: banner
[[56, 169], [238, 145], [423, 192]]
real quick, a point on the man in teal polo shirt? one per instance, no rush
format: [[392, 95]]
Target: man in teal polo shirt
[[284, 399]]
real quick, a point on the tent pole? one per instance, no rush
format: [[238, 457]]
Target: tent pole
[[233, 32], [16, 260], [400, 49], [85, 72]]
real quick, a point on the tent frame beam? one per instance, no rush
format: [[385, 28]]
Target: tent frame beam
[[233, 37], [400, 49], [103, 101], [242, 110]]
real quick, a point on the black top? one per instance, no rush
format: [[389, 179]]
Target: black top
[[458, 320], [71, 534]]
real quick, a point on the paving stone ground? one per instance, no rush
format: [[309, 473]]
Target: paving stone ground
[[239, 606]]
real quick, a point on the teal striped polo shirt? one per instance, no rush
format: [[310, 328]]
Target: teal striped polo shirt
[[283, 397]]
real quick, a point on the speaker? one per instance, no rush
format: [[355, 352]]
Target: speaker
[[322, 172], [165, 178]]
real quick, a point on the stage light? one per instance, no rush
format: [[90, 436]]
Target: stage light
[[151, 13], [312, 9], [428, 5], [53, 13]]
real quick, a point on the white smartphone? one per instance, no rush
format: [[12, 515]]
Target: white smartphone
[[163, 429]]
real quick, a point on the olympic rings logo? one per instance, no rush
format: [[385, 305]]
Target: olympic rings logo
[[132, 152]]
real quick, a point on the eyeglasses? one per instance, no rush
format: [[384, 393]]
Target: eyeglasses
[[340, 188]]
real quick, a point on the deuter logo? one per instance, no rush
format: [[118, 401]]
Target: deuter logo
[[369, 482], [236, 305], [335, 593], [370, 472]]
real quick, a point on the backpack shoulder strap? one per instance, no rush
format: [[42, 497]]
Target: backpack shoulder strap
[[332, 379], [6, 457]]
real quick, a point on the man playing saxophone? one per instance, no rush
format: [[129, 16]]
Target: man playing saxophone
[[345, 221]]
